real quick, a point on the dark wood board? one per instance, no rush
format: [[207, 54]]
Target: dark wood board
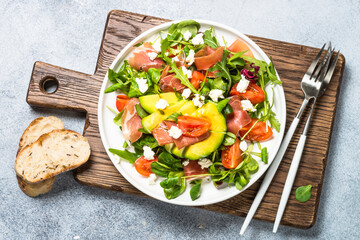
[[79, 92]]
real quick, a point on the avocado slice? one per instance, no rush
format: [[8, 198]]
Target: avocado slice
[[150, 122], [203, 148], [148, 102]]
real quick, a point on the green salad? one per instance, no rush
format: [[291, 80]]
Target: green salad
[[191, 109]]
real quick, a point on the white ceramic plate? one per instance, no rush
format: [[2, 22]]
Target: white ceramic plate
[[112, 137]]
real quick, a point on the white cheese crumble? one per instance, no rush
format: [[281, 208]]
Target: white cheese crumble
[[198, 100], [205, 163], [167, 54], [157, 46], [215, 94], [187, 35], [151, 179], [148, 153], [152, 55], [186, 71], [161, 104], [198, 39], [185, 163], [247, 106], [242, 85], [175, 132], [186, 93], [175, 59], [191, 57], [142, 84], [243, 146]]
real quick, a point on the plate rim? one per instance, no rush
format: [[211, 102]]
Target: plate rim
[[149, 33]]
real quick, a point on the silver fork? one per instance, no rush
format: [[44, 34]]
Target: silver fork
[[312, 72], [315, 87]]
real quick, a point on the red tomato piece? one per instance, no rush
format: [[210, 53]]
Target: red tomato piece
[[258, 133], [121, 101], [253, 93], [197, 79], [143, 166], [231, 155], [193, 126]]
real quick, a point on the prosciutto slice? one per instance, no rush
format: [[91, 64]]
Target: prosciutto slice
[[208, 57], [193, 168], [239, 118], [240, 46], [131, 121], [169, 83], [162, 136], [141, 61]]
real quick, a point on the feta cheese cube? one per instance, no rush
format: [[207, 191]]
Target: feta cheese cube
[[185, 163], [205, 163], [142, 84], [191, 57], [186, 93], [187, 35], [175, 132], [187, 72], [161, 104], [175, 59], [242, 85], [243, 146], [215, 94], [148, 153], [152, 55], [198, 39], [198, 100], [151, 179], [247, 106]]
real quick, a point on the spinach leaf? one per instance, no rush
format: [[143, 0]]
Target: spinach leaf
[[146, 140], [188, 25], [223, 69], [174, 116], [173, 163], [303, 193], [174, 192], [160, 169], [169, 182], [227, 110], [252, 165], [229, 139], [264, 155], [218, 83], [195, 191], [222, 104], [125, 154], [142, 113]]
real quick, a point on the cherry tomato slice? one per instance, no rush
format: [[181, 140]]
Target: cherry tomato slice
[[258, 133], [231, 155], [197, 79], [121, 101], [253, 93], [193, 126], [143, 166]]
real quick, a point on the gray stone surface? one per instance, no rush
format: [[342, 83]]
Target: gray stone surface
[[68, 34]]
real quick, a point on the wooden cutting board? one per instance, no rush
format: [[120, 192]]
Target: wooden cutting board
[[78, 91]]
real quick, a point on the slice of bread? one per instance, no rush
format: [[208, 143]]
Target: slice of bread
[[37, 128], [53, 153]]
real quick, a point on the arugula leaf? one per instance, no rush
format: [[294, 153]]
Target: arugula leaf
[[125, 154], [183, 78], [303, 193], [210, 39], [195, 191], [117, 118]]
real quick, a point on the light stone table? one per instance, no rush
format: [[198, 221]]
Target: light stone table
[[68, 34]]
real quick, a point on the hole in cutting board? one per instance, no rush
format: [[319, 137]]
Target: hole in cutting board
[[49, 85]]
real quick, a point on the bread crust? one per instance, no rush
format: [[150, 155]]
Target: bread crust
[[52, 161]]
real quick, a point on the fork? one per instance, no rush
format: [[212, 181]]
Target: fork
[[316, 88], [312, 71]]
